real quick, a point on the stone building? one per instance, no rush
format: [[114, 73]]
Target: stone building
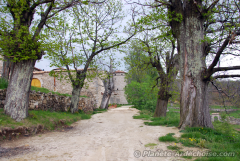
[[118, 95], [93, 87]]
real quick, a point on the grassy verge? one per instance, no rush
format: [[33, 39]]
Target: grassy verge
[[172, 118], [222, 107], [235, 114], [223, 140], [46, 118]]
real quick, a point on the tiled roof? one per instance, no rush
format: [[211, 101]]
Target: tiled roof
[[38, 69], [59, 69], [119, 71]]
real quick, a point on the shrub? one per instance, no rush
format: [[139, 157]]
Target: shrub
[[141, 95]]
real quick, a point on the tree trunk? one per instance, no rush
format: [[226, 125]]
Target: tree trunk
[[6, 68], [105, 101], [161, 108], [75, 99], [162, 101], [17, 96], [108, 84], [194, 111], [77, 87]]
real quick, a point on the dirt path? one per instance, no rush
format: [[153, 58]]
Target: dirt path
[[108, 136]]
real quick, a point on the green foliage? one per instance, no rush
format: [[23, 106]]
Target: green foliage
[[80, 36], [3, 83], [20, 38], [141, 95], [168, 138]]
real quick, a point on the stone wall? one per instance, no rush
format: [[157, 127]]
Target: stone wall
[[52, 102], [92, 88], [223, 110], [234, 121]]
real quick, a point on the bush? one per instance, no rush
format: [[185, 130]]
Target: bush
[[141, 95]]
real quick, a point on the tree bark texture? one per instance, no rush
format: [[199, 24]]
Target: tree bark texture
[[75, 99], [194, 111], [77, 87], [6, 68], [161, 107], [17, 96], [109, 86]]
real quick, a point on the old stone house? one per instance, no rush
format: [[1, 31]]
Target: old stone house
[[93, 87], [119, 84]]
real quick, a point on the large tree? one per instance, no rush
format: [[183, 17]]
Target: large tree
[[192, 23], [165, 60], [108, 82], [21, 24], [205, 30], [157, 44], [93, 30]]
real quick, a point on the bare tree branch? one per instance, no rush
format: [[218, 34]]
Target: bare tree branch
[[212, 5], [226, 76]]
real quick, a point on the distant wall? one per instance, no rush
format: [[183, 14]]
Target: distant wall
[[92, 88], [52, 102]]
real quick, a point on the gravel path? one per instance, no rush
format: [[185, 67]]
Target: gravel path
[[110, 136]]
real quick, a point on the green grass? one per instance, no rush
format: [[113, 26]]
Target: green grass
[[167, 138], [221, 107], [222, 139], [218, 140], [46, 118], [171, 147], [235, 114], [151, 145], [142, 116], [172, 119]]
